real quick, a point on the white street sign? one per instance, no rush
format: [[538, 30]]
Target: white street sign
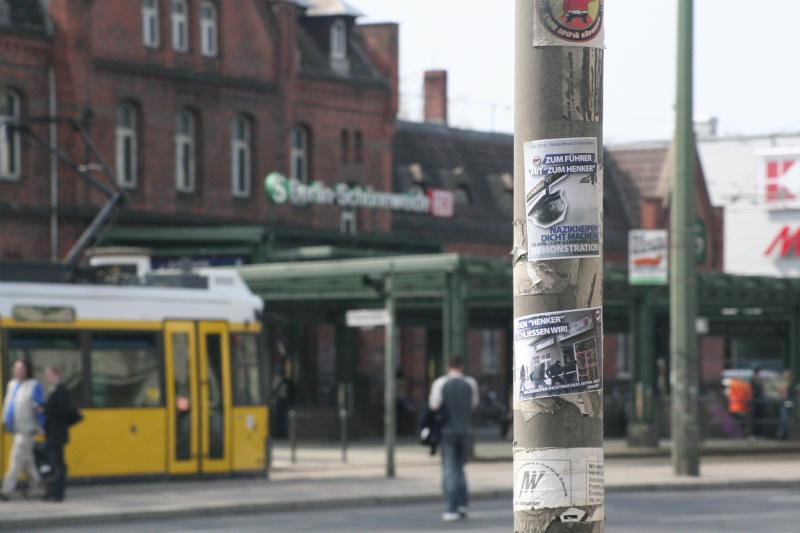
[[367, 318]]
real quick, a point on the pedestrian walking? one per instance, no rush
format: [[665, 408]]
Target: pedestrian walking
[[23, 419], [454, 396], [60, 414]]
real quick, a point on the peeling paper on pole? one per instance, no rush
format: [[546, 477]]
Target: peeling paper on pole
[[569, 23], [556, 478]]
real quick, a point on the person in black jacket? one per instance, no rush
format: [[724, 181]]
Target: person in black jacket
[[59, 411]]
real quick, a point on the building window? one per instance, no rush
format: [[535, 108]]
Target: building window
[[208, 29], [339, 39], [5, 12], [345, 146], [348, 222], [299, 154], [126, 156], [185, 152], [150, 34], [9, 134], [180, 26], [240, 156], [490, 347], [358, 155], [624, 363]]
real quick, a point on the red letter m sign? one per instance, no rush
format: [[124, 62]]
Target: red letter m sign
[[786, 241]]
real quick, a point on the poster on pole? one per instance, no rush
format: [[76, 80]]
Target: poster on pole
[[648, 257], [562, 196], [558, 353], [553, 478], [568, 23]]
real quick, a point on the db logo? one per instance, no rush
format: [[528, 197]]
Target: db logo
[[442, 203]]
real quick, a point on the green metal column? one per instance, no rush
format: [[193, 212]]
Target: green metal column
[[794, 365], [642, 431], [683, 304], [455, 318], [390, 377]]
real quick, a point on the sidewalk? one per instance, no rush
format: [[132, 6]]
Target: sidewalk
[[319, 480]]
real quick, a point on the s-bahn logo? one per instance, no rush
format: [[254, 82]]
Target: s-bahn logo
[[785, 242], [576, 21]]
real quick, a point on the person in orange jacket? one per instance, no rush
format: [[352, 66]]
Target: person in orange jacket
[[740, 395]]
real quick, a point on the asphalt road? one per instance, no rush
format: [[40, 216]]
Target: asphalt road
[[773, 511]]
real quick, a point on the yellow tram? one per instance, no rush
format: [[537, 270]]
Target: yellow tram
[[169, 374]]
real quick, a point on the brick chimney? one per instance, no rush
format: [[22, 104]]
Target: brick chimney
[[436, 96]]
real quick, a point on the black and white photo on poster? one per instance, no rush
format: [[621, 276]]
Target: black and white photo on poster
[[562, 188], [558, 353]]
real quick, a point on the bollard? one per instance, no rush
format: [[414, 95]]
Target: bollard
[[343, 432], [293, 434]]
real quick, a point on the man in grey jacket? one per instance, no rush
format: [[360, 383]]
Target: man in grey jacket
[[22, 417], [454, 396]]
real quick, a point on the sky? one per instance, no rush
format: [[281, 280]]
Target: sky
[[747, 71]]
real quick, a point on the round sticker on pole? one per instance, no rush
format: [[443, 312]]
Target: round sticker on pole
[[569, 23]]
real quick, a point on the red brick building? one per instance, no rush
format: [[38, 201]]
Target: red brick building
[[191, 103]]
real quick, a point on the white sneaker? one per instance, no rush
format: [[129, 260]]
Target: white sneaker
[[451, 517], [463, 511]]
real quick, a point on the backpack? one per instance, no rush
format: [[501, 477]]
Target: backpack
[[429, 428]]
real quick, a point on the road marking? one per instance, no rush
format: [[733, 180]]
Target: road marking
[[724, 517]]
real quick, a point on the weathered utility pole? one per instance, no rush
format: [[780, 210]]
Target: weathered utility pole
[[684, 379], [558, 269], [390, 377]]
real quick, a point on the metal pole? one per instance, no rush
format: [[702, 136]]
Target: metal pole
[[293, 434], [558, 437], [684, 379], [343, 433], [53, 133], [390, 382]]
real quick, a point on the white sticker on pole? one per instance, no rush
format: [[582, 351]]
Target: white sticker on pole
[[558, 353], [569, 23], [559, 477], [562, 198]]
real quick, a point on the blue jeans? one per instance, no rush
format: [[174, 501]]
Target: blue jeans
[[455, 449]]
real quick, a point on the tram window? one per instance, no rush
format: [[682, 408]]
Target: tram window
[[246, 371], [51, 349], [125, 370]]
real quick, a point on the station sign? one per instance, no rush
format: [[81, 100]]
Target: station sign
[[282, 190]]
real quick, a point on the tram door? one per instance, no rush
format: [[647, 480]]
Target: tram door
[[198, 397]]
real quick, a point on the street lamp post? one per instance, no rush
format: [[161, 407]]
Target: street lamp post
[[684, 379]]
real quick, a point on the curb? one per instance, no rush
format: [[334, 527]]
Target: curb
[[280, 507], [664, 452]]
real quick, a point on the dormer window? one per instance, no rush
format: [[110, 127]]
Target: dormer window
[[339, 40]]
